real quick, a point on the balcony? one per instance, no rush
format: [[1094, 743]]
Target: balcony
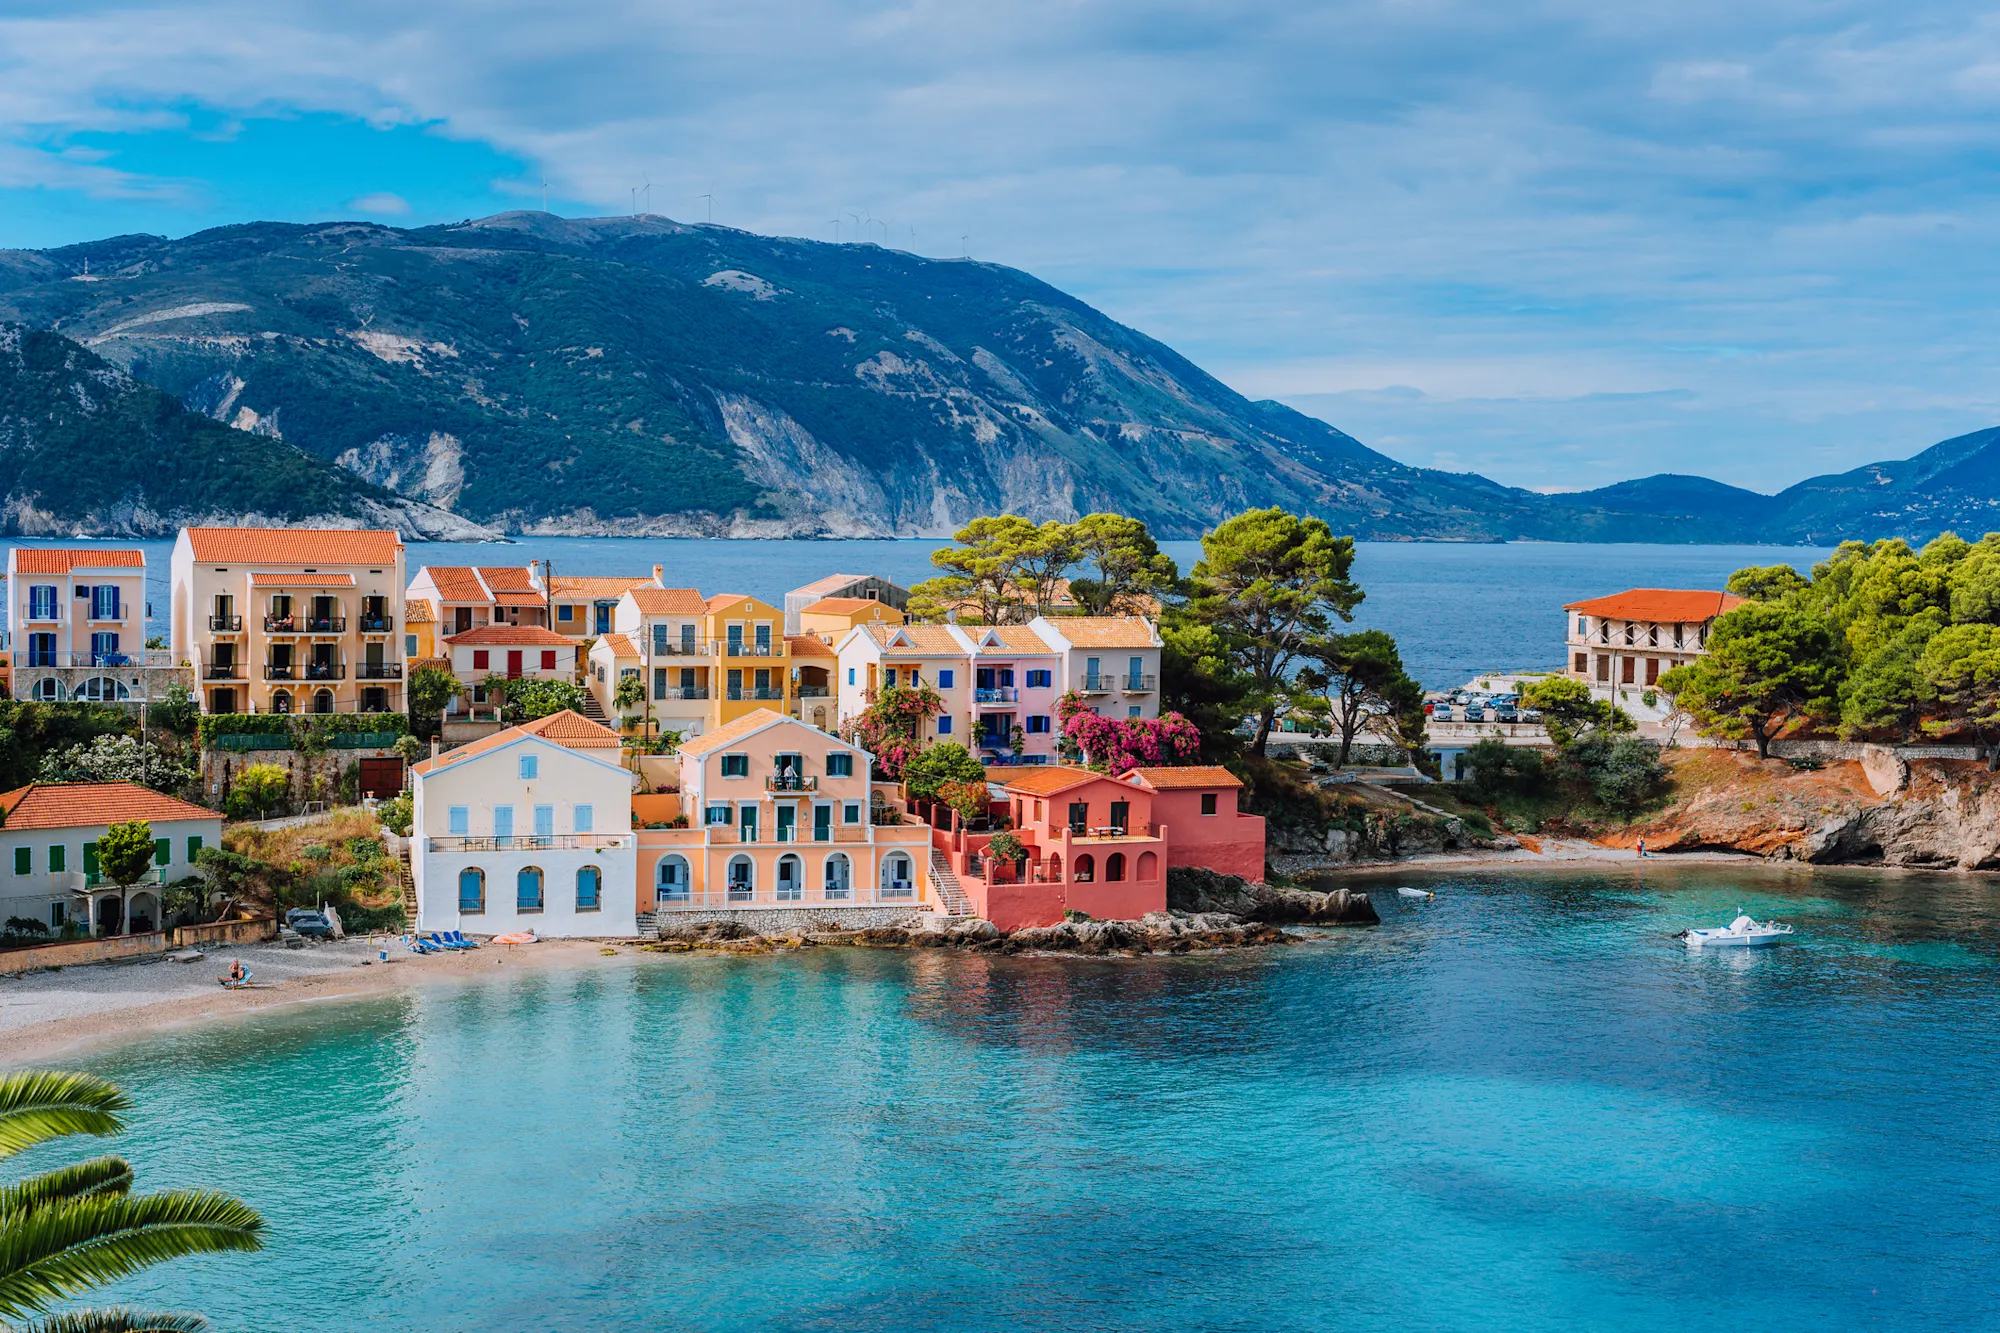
[[678, 692], [1141, 684], [790, 782], [1097, 685], [282, 625], [1002, 694], [561, 842], [323, 624], [368, 624], [741, 692], [379, 671], [222, 671], [226, 624], [137, 657], [738, 648], [812, 691], [684, 648]]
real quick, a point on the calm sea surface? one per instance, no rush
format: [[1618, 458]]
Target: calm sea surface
[[1456, 610], [1518, 1107]]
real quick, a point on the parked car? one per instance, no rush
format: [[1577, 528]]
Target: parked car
[[1531, 715], [1474, 713], [308, 922], [1442, 713], [1506, 713]]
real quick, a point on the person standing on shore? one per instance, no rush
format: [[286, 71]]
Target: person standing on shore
[[1642, 849]]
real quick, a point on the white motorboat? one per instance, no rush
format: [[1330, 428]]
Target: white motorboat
[[1425, 894], [1742, 933]]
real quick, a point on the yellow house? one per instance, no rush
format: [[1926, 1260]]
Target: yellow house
[[706, 661], [832, 617]]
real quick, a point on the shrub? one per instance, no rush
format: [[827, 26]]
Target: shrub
[[1621, 774], [1006, 847], [397, 813], [125, 852], [970, 799], [258, 790], [927, 772], [358, 919]]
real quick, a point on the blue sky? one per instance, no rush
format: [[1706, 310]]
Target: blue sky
[[1557, 243]]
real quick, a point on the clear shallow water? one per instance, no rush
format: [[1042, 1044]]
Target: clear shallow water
[[1455, 609], [1519, 1107]]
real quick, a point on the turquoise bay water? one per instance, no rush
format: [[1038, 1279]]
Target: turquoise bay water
[[1455, 609], [1519, 1107]]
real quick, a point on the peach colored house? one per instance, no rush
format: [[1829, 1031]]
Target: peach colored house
[[874, 656], [77, 620], [813, 666], [779, 815], [1196, 809]]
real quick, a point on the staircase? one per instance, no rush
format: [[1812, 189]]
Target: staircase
[[595, 710], [409, 888], [649, 925], [949, 891]]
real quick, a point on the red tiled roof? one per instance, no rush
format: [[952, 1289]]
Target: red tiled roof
[[417, 611], [510, 636], [842, 606], [260, 579], [1194, 775], [594, 585], [1660, 606], [572, 731], [808, 645], [50, 560], [654, 601], [1042, 780], [619, 645], [730, 732], [925, 640], [41, 805], [294, 546], [456, 583], [1104, 631], [507, 578], [831, 582]]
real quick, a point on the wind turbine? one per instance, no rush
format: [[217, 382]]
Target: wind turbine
[[635, 201], [711, 204], [965, 246], [857, 225], [647, 190], [545, 194], [836, 231]]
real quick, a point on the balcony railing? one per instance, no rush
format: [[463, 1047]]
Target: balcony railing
[[136, 657], [379, 671], [737, 648], [1002, 694], [226, 624], [812, 691], [1140, 684], [739, 692], [83, 881], [680, 692], [790, 782], [536, 842], [1098, 685], [368, 624], [684, 648], [282, 625], [797, 894], [324, 624], [222, 671]]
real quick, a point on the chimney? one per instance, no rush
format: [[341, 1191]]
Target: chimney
[[660, 576], [434, 747]]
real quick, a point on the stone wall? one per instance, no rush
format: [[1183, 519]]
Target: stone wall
[[767, 920], [82, 951], [220, 767]]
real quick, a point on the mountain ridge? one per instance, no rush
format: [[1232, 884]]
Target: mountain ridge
[[641, 376]]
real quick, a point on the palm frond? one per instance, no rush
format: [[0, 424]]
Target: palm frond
[[117, 1320], [56, 1252], [100, 1175], [40, 1105]]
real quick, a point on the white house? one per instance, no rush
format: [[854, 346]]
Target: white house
[[49, 833], [527, 829]]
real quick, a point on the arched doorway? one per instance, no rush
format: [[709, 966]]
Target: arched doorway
[[281, 701], [791, 879], [589, 889], [110, 915], [322, 701], [897, 882], [671, 881], [144, 913], [471, 891], [1086, 868], [103, 690], [1149, 866], [47, 690], [1114, 868], [838, 878], [528, 889], [742, 879]]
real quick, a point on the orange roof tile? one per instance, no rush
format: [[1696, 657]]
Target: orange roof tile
[[1661, 606], [49, 560], [417, 612], [1042, 779], [294, 546], [654, 601], [731, 732], [262, 579], [619, 645], [1014, 640], [808, 645], [507, 578], [456, 583], [41, 805], [511, 636], [1105, 631], [1194, 775], [593, 585], [571, 730], [844, 606], [924, 640]]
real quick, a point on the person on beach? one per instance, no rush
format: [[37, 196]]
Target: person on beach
[[235, 973], [1642, 849]]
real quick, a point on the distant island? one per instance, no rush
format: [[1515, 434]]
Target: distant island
[[529, 374]]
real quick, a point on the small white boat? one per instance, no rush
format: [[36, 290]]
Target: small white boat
[[1416, 893], [1742, 933]]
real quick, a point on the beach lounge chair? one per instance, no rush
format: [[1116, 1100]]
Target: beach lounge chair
[[444, 942], [229, 984], [416, 945], [460, 937]]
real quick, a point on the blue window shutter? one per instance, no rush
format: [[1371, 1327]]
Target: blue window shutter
[[944, 680], [460, 821], [944, 726]]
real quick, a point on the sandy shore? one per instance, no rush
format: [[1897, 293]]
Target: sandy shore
[[43, 1014]]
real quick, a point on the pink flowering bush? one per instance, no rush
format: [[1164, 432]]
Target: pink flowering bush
[[889, 726], [1118, 745]]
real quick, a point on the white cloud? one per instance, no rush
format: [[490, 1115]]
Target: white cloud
[[382, 203]]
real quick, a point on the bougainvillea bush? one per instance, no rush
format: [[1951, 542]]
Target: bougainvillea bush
[[1117, 745], [891, 725]]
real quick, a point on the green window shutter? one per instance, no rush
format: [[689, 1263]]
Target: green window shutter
[[90, 858], [163, 851], [58, 857], [24, 860], [194, 848]]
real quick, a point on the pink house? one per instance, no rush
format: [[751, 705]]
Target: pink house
[[1199, 805]]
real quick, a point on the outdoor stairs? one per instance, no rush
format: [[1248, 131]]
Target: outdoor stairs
[[649, 925], [951, 894], [409, 888], [595, 710]]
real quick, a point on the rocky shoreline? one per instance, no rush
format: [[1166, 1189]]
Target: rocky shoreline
[[1206, 912]]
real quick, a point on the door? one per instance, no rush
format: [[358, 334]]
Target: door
[[822, 823], [603, 621], [983, 678], [371, 661], [513, 663], [1079, 817], [461, 620], [381, 778], [1121, 812], [748, 825], [788, 819]]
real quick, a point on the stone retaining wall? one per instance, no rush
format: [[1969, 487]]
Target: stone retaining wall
[[766, 920], [1825, 750], [73, 952]]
